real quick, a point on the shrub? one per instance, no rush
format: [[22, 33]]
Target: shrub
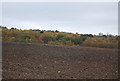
[[70, 43], [46, 38], [100, 42], [60, 36], [79, 40]]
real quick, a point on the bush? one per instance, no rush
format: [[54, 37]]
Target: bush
[[60, 37], [100, 42], [79, 40], [46, 38], [70, 43]]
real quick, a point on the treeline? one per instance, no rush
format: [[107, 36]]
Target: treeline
[[58, 38]]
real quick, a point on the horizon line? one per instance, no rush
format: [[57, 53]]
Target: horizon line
[[59, 31]]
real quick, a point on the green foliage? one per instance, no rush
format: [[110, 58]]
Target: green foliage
[[101, 42], [47, 38], [58, 38], [67, 39], [56, 31], [79, 40], [41, 32]]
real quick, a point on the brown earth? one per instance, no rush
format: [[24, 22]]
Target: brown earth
[[35, 61]]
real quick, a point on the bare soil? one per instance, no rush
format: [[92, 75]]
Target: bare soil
[[35, 61]]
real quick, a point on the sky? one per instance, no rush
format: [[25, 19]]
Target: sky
[[81, 17]]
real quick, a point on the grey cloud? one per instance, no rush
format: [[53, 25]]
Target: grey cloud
[[71, 17]]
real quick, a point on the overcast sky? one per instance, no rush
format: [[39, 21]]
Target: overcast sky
[[81, 17]]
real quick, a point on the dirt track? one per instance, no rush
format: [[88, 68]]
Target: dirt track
[[32, 61]]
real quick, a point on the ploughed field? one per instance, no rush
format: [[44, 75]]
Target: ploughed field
[[35, 61]]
